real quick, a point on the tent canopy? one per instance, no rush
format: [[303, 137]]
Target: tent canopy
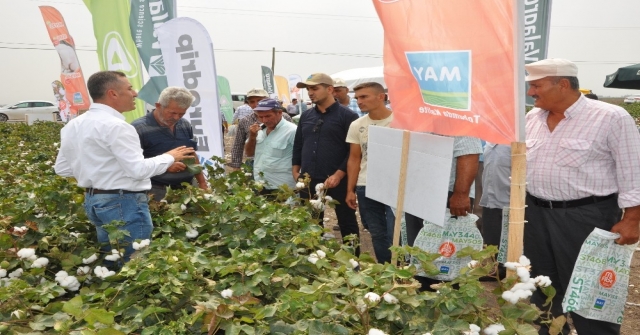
[[353, 77], [626, 77]]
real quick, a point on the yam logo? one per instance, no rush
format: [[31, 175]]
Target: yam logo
[[116, 57], [599, 303], [447, 249], [444, 77], [444, 269], [77, 98], [607, 278]]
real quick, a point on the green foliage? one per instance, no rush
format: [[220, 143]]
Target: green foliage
[[248, 270]]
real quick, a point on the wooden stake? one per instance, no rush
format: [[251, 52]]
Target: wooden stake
[[517, 202], [404, 158]]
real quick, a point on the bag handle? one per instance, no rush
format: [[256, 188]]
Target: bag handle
[[607, 235]]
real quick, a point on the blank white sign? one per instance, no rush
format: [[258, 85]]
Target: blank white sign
[[428, 171]]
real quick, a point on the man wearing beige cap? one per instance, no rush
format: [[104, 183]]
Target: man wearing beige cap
[[247, 119], [320, 149], [583, 166], [341, 93]]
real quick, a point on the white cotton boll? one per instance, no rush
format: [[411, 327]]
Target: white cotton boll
[[61, 275], [40, 262], [32, 195], [321, 254], [26, 253], [228, 293], [472, 264], [248, 174], [510, 297], [90, 260], [374, 331], [319, 187], [524, 261], [494, 329], [3, 273], [74, 234], [183, 207], [16, 273], [145, 242], [523, 273], [511, 265], [523, 286], [328, 198], [474, 328], [20, 229], [542, 281], [192, 233], [522, 294], [372, 297], [135, 245], [71, 283], [299, 185], [32, 257], [354, 263], [115, 255], [389, 298], [83, 270], [313, 258], [208, 196]]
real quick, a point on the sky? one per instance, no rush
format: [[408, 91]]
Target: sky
[[309, 36]]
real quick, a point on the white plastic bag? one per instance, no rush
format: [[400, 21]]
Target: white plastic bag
[[600, 279], [232, 130], [456, 234]]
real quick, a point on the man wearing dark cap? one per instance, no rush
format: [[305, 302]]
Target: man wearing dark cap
[[237, 151], [271, 141], [583, 166], [320, 148]]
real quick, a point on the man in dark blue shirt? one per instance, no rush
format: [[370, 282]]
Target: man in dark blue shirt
[[165, 129], [320, 148]]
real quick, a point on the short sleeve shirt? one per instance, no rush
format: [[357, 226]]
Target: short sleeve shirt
[[359, 134]]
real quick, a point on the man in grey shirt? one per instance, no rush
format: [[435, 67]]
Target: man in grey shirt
[[496, 188]]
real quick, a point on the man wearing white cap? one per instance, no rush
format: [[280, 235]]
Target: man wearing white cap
[[583, 160]]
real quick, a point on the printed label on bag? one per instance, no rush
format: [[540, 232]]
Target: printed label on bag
[[447, 249], [607, 278]]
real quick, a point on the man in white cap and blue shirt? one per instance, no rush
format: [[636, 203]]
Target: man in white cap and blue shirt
[[583, 167]]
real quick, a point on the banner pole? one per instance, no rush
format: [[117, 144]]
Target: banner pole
[[404, 158], [517, 202], [273, 61]]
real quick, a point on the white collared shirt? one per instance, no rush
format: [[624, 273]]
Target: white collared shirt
[[101, 150]]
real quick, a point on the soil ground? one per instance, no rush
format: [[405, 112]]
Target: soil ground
[[630, 325]]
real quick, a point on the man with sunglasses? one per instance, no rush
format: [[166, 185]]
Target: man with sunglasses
[[320, 149]]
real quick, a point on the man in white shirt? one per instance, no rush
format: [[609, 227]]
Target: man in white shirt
[[378, 216], [102, 152]]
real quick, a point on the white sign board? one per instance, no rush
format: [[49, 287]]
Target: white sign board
[[428, 171]]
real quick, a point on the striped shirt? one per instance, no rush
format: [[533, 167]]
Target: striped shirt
[[594, 150], [242, 112], [462, 146]]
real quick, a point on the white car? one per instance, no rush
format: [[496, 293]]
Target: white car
[[632, 99], [17, 111]]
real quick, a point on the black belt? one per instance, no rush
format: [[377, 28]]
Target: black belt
[[97, 191], [570, 203]]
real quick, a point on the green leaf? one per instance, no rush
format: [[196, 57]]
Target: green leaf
[[99, 315], [260, 233], [550, 292], [404, 274], [526, 329], [317, 327], [266, 312], [109, 331], [73, 306], [6, 241]]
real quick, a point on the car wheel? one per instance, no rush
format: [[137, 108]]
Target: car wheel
[[57, 116], [3, 117]]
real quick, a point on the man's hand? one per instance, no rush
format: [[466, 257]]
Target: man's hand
[[459, 204], [177, 167], [351, 199], [629, 231], [181, 153], [254, 129], [332, 181]]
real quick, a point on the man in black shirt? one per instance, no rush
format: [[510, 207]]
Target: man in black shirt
[[320, 148]]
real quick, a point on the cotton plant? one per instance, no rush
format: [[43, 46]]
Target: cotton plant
[[70, 283], [40, 263], [494, 329], [141, 245], [90, 259], [192, 233], [102, 272], [114, 256], [526, 285], [27, 253], [316, 256]]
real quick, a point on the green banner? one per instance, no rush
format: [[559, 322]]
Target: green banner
[[537, 18], [267, 81], [224, 98], [116, 50], [144, 18]]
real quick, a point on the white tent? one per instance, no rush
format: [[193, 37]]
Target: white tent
[[357, 76]]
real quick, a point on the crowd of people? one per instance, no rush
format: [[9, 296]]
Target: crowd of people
[[583, 157]]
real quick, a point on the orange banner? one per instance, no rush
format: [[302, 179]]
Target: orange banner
[[450, 66], [71, 74]]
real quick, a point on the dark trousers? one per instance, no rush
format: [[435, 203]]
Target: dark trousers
[[414, 224], [381, 223], [346, 215], [491, 225], [552, 241]]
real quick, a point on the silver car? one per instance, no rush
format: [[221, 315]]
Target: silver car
[[632, 99], [16, 112]]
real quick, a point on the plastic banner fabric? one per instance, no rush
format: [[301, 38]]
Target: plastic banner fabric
[[224, 96], [600, 279], [282, 85], [267, 81], [116, 50], [454, 235], [504, 237], [188, 56], [71, 94], [144, 17], [294, 92], [537, 19], [451, 71]]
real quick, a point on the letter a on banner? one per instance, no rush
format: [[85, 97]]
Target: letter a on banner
[[451, 71], [75, 97], [188, 57]]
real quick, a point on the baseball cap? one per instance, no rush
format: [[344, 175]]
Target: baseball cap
[[316, 79], [267, 105], [552, 67], [339, 82], [257, 92]]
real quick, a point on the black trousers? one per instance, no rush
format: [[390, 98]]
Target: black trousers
[[346, 215], [491, 225], [552, 241]]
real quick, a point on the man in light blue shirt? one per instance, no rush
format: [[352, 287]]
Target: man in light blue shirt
[[271, 143]]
